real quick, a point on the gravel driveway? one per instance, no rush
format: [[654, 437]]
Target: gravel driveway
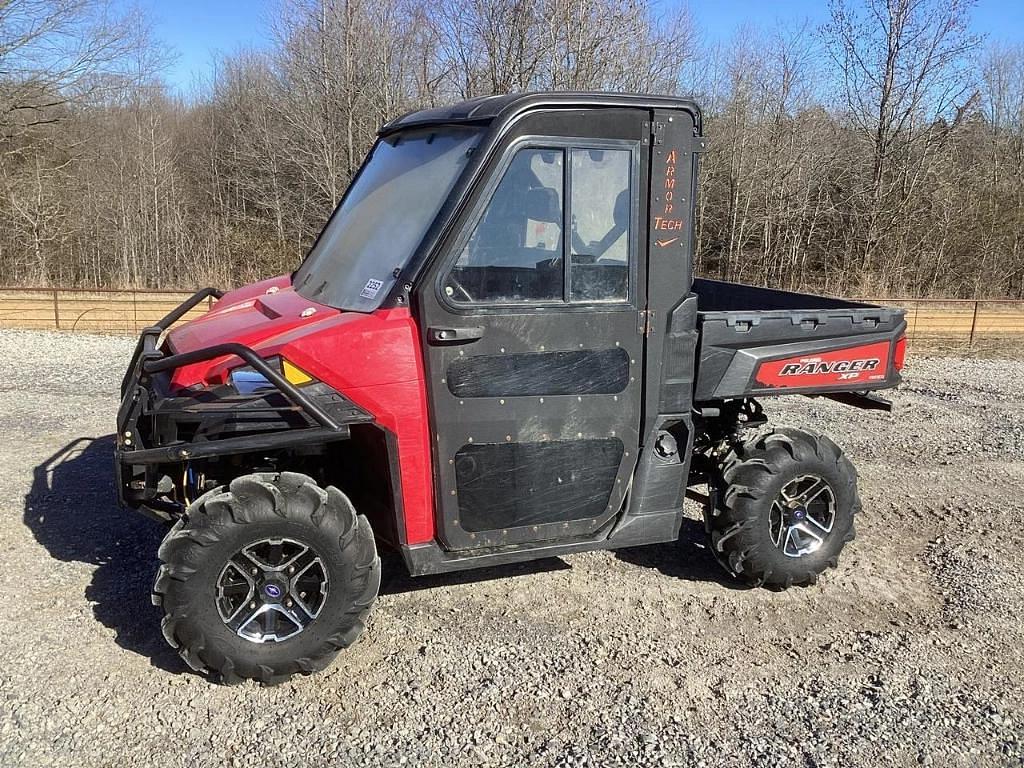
[[911, 653]]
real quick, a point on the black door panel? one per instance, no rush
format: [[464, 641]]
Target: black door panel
[[511, 485], [579, 372]]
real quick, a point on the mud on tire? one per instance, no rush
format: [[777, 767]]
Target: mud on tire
[[265, 506], [749, 524]]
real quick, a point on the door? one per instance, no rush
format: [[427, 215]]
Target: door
[[534, 349]]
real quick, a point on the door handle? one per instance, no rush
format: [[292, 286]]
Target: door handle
[[454, 335]]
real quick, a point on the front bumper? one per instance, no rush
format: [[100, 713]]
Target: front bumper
[[160, 433]]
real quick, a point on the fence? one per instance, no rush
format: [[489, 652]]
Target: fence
[[965, 322], [89, 309]]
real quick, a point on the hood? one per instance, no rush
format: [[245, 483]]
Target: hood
[[347, 350], [250, 316], [254, 315]]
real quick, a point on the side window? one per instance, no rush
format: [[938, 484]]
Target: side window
[[601, 206], [517, 250]]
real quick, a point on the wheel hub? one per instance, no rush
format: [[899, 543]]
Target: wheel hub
[[803, 515], [271, 590]]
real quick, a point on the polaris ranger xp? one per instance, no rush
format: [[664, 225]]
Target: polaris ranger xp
[[495, 351]]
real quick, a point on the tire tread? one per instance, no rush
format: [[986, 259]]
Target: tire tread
[[745, 479], [247, 500]]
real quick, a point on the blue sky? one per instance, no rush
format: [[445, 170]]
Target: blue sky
[[999, 19], [196, 29]]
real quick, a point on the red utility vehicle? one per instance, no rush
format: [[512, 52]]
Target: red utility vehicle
[[495, 351]]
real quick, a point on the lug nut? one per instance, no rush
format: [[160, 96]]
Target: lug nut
[[291, 569], [288, 602], [254, 571], [252, 604]]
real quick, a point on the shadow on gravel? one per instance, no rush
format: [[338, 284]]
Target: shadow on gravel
[[395, 579], [71, 510], [687, 558]]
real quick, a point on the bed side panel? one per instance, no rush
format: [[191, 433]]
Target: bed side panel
[[744, 354]]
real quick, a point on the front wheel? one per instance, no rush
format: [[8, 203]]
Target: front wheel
[[785, 507], [267, 578]]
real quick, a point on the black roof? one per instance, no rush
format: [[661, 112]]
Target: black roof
[[487, 108]]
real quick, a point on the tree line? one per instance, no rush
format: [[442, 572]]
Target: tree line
[[881, 153]]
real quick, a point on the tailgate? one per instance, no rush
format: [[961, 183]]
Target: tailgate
[[848, 348]]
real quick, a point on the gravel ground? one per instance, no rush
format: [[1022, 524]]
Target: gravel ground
[[911, 653]]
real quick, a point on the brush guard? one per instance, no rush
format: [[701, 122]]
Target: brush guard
[[137, 465]]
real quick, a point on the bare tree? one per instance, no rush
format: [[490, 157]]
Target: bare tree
[[55, 52], [903, 66], [502, 46]]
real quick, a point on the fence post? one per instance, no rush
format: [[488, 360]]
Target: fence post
[[56, 310], [974, 323]]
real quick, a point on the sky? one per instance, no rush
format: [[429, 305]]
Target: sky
[[196, 30]]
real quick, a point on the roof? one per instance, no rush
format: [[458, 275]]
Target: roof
[[506, 106]]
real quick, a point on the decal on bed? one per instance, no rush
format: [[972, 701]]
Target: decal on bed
[[866, 363]]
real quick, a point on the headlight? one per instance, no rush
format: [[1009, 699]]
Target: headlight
[[246, 380]]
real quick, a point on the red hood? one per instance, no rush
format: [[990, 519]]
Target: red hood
[[347, 350], [249, 316]]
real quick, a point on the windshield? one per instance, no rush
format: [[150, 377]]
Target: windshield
[[383, 217]]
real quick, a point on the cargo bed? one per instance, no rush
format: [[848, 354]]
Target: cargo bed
[[758, 341]]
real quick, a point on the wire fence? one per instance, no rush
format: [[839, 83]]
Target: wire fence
[[957, 322]]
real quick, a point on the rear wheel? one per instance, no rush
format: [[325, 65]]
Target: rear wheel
[[267, 578], [785, 507]]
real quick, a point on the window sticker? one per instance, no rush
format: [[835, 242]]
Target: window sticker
[[371, 289]]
